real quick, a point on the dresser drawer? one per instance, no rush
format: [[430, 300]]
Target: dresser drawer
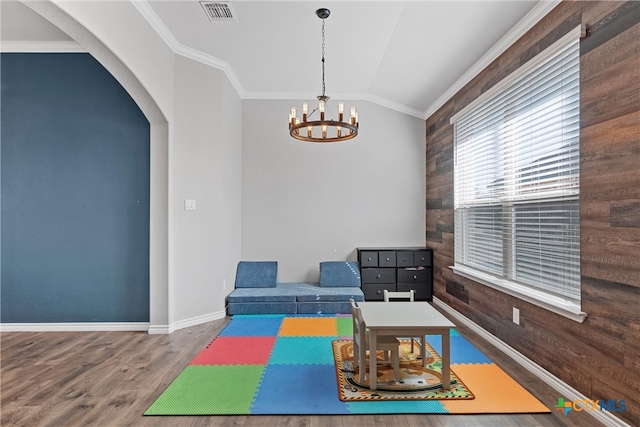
[[387, 259], [422, 258], [369, 259], [373, 292], [378, 275], [404, 259], [414, 276], [422, 291]]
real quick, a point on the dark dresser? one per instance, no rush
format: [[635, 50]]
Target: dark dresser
[[396, 269]]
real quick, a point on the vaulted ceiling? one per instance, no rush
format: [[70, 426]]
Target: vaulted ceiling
[[407, 55]]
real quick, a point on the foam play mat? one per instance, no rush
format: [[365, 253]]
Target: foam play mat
[[286, 364]]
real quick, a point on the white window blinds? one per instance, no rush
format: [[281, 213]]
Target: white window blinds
[[516, 177]]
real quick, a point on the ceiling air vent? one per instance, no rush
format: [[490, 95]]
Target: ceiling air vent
[[219, 11]]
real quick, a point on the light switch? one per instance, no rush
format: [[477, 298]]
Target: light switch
[[189, 204]]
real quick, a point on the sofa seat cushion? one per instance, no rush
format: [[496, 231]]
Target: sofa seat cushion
[[277, 294], [324, 307], [281, 307], [307, 292], [339, 274]]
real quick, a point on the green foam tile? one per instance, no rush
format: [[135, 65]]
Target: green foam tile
[[202, 390], [345, 326]]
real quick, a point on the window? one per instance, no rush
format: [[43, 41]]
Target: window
[[516, 182]]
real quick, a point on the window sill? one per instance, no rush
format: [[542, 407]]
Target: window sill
[[557, 305]]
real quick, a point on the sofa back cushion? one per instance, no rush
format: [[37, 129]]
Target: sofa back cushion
[[257, 274], [339, 274]]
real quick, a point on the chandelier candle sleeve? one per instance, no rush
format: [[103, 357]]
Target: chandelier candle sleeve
[[326, 128]]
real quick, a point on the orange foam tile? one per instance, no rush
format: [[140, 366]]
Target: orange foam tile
[[308, 327], [495, 391]]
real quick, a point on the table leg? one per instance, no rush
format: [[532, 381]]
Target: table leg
[[362, 360], [373, 363], [423, 352], [446, 359]]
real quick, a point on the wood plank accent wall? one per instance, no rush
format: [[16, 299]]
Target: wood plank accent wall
[[600, 357]]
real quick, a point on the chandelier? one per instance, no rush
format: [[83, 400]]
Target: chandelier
[[322, 129]]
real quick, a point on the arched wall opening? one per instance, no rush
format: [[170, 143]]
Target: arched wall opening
[[159, 316]]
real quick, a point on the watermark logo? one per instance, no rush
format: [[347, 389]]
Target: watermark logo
[[589, 405]]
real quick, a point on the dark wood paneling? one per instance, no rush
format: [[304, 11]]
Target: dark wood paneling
[[601, 356], [612, 25], [613, 51], [625, 213], [611, 93], [611, 253]]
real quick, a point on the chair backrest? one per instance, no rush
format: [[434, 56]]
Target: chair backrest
[[358, 323], [408, 295]]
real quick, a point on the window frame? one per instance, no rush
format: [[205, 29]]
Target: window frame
[[563, 306]]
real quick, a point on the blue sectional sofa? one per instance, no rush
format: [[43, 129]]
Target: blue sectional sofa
[[257, 290]]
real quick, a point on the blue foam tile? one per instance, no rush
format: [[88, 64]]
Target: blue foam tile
[[462, 351], [250, 326], [302, 351], [397, 407], [298, 389]]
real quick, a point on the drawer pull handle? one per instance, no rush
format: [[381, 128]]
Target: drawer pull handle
[[379, 292], [415, 277], [368, 259], [387, 258], [377, 276]]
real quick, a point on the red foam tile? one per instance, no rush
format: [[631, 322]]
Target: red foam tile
[[236, 351]]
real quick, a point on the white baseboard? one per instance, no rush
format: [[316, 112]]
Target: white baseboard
[[564, 390], [181, 324], [111, 326], [75, 327], [159, 330]]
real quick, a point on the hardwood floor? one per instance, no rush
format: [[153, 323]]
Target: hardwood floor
[[111, 378]]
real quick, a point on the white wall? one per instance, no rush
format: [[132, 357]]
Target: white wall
[[303, 203], [205, 165]]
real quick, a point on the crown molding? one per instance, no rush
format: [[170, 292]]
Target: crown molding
[[156, 23], [66, 46], [395, 106], [213, 62], [525, 24]]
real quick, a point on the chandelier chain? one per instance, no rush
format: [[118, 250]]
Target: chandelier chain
[[323, 85]]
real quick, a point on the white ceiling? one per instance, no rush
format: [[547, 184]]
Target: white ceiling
[[407, 55]]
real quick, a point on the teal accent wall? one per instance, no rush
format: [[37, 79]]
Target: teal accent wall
[[75, 193]]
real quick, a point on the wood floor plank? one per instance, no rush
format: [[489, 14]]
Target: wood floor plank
[[111, 378]]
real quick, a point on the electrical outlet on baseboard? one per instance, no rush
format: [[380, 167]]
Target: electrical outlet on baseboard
[[516, 315]]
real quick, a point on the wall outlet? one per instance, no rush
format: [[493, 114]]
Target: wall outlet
[[516, 316], [189, 204]]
